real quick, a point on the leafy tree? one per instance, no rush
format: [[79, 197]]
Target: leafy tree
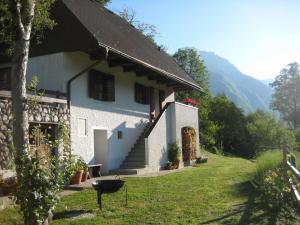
[[231, 132], [266, 133], [147, 29], [286, 98], [189, 59]]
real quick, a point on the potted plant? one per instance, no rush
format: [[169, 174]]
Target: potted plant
[[75, 171], [85, 168], [168, 165], [8, 184], [174, 154]]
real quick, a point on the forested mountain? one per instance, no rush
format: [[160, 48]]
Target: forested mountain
[[245, 91]]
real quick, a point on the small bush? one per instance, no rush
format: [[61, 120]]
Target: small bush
[[174, 152], [275, 191], [267, 161]]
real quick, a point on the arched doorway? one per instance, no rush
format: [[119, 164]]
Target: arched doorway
[[188, 136]]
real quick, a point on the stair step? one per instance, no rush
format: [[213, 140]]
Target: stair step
[[140, 151], [132, 167], [134, 160], [133, 164], [136, 157], [137, 145]]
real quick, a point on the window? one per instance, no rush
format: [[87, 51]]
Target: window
[[5, 78], [142, 94], [101, 86]]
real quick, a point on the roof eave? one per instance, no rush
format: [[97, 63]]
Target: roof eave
[[162, 72]]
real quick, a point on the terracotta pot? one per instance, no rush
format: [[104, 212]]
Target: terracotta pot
[[84, 176], [7, 189], [76, 178], [168, 167], [176, 164]]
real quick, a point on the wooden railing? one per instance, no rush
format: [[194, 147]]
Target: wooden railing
[[290, 165]]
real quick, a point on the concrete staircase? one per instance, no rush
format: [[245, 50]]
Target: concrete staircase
[[134, 162]]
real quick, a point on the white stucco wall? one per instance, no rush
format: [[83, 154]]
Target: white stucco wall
[[186, 116], [168, 130], [122, 115], [159, 139]]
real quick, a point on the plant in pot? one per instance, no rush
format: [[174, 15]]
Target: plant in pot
[[85, 168], [8, 184], [174, 154], [75, 170], [168, 165]]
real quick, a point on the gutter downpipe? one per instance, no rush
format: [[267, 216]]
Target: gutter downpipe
[[78, 75]]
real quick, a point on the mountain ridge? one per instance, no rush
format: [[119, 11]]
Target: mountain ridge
[[245, 91]]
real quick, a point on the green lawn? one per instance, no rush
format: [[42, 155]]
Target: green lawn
[[214, 193]]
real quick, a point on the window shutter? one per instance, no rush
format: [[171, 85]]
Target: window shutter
[[109, 88], [148, 91], [92, 84], [101, 86], [141, 94]]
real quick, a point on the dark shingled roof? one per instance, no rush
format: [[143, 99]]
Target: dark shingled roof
[[108, 30]]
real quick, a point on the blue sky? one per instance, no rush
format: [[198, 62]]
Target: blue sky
[[260, 37]]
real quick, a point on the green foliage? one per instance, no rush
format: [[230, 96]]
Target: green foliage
[[286, 98], [103, 2], [207, 128], [190, 61], [41, 176], [265, 132], [41, 22], [276, 191], [174, 152], [297, 136], [82, 164], [75, 164], [269, 160], [230, 133], [37, 187], [149, 30]]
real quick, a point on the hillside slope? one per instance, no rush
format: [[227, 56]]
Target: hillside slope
[[245, 91]]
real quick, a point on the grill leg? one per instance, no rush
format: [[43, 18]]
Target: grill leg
[[99, 196]]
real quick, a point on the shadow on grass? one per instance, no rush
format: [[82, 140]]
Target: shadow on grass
[[250, 212], [72, 214], [72, 188]]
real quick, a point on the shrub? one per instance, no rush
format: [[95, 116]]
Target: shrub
[[174, 152], [275, 190], [267, 161]]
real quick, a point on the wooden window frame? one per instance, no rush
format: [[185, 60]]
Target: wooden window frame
[[101, 86], [141, 94]]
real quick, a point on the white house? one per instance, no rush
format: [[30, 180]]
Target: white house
[[118, 88]]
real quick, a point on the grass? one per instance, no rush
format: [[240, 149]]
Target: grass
[[217, 193], [269, 160]]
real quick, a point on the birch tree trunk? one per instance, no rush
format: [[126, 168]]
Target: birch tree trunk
[[23, 12]]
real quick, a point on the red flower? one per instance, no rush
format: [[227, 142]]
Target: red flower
[[190, 101]]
